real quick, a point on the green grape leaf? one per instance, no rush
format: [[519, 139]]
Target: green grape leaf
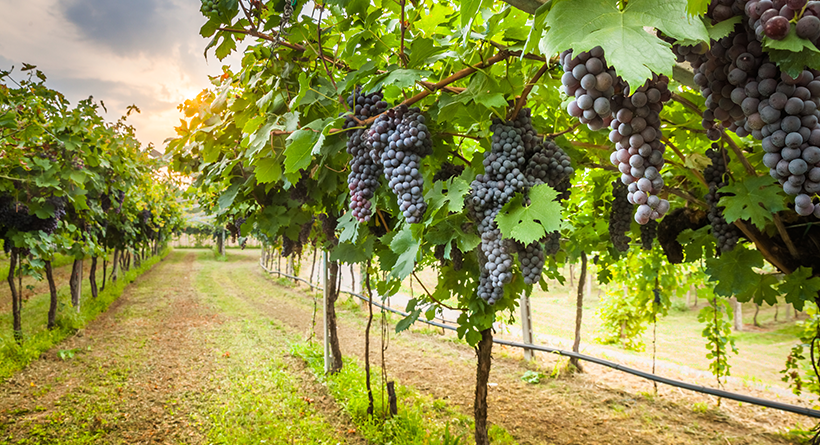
[[799, 287], [762, 291], [268, 170], [794, 63], [421, 49], [635, 53], [733, 271], [349, 227], [397, 77], [527, 224], [722, 29], [406, 248], [697, 7], [226, 199], [755, 198]]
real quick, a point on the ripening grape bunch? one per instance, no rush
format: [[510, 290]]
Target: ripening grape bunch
[[552, 166], [591, 83], [448, 170], [747, 93], [725, 234], [602, 98]]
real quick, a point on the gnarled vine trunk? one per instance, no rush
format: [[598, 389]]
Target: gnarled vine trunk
[[114, 263], [52, 290], [16, 301], [333, 295], [92, 278], [579, 311], [76, 283], [105, 270], [484, 351]]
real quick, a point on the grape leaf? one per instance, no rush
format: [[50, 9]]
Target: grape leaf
[[397, 77], [722, 29], [763, 291], [226, 199], [635, 53], [268, 170], [733, 271], [349, 227], [697, 7], [527, 224], [800, 286], [406, 247], [755, 198], [794, 63]]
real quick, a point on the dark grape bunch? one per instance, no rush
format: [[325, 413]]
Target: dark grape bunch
[[550, 165], [363, 179], [105, 202], [120, 200], [448, 170], [456, 256], [364, 106], [503, 177], [399, 138], [620, 217], [365, 169], [517, 161], [649, 232], [592, 83], [726, 234], [748, 94]]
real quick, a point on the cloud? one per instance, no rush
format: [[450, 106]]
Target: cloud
[[123, 52], [123, 26]]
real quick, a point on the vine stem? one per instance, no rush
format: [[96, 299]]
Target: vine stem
[[523, 99], [403, 24], [429, 295], [562, 132], [321, 48]]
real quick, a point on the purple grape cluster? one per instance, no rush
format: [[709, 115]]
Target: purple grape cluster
[[620, 217], [649, 232], [638, 151], [725, 234], [517, 161], [364, 106], [592, 83], [363, 179], [748, 94], [602, 98], [399, 139], [773, 19]]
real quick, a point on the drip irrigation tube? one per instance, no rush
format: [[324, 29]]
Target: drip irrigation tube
[[656, 378]]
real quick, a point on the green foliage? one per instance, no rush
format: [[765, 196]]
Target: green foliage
[[756, 198], [718, 334], [529, 223], [532, 377]]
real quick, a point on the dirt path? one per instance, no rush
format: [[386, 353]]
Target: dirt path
[[154, 369], [195, 351], [569, 410]]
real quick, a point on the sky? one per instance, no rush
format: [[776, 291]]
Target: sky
[[143, 52]]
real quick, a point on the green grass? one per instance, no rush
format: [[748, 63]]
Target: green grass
[[37, 339], [260, 397]]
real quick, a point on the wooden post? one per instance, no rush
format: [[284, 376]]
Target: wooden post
[[526, 325], [325, 298]]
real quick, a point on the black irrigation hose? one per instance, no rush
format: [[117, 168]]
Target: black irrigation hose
[[656, 378]]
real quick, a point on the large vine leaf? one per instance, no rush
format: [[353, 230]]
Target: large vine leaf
[[733, 271], [527, 224], [755, 198], [635, 53], [799, 287], [406, 247]]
